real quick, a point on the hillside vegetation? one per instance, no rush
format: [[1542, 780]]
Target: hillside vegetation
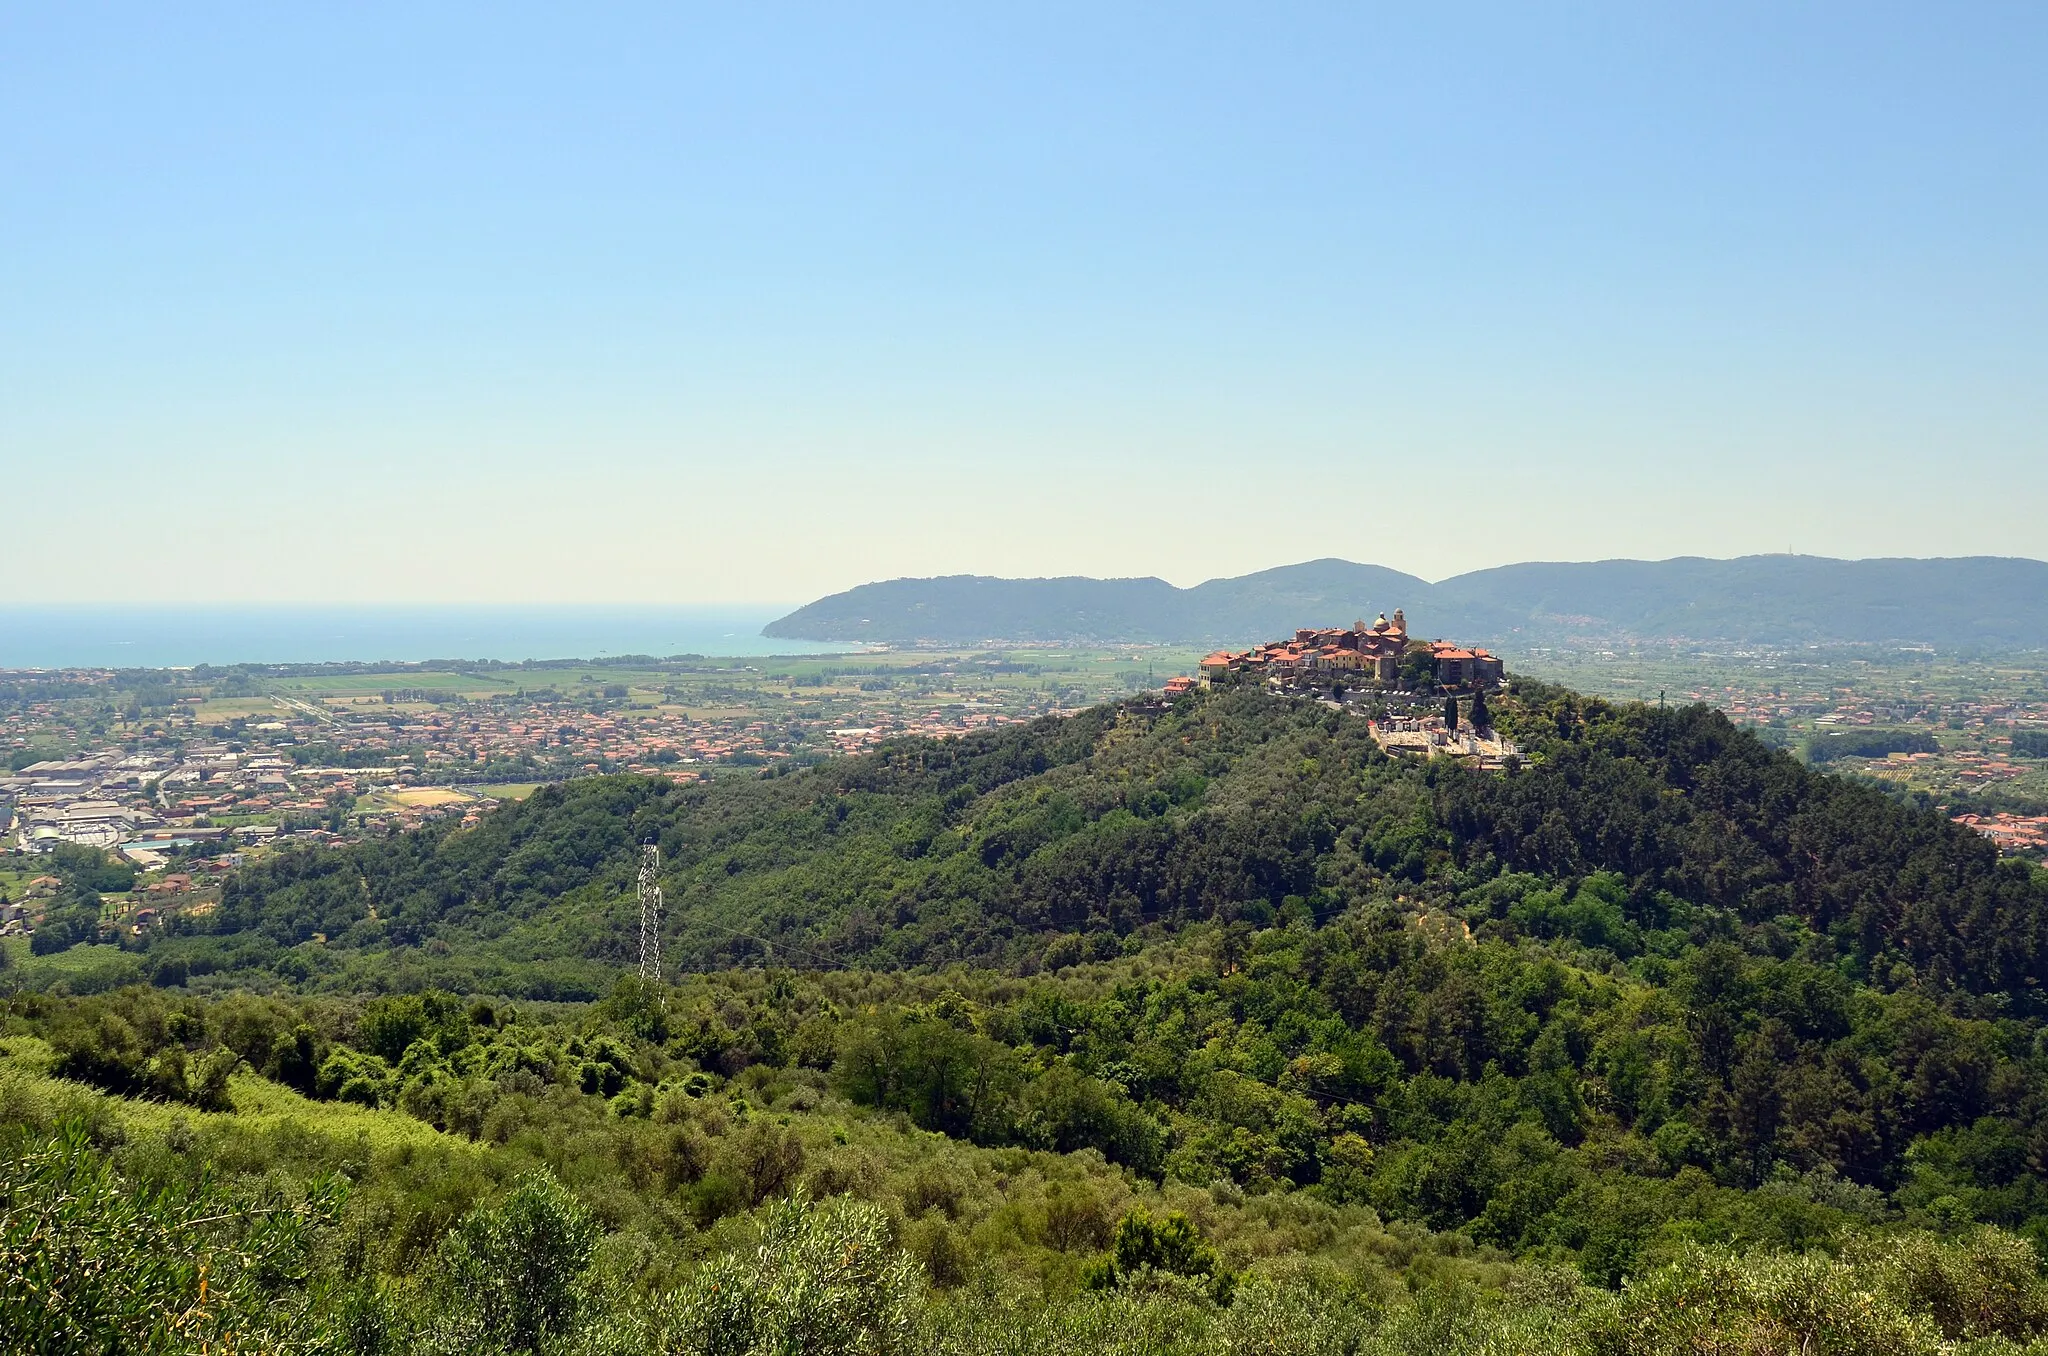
[[1083, 837], [1202, 1027]]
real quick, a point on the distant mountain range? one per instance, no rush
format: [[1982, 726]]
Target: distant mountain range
[[1991, 602]]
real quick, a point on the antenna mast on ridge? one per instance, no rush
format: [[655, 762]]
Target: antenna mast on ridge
[[650, 914]]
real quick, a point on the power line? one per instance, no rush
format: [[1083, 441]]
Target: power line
[[828, 962], [767, 945]]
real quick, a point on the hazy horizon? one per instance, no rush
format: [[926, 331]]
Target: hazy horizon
[[135, 636], [689, 305]]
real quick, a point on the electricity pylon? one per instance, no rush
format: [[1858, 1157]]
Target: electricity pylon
[[650, 914]]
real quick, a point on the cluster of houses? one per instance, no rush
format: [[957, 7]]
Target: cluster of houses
[[188, 891], [2024, 835], [1357, 655]]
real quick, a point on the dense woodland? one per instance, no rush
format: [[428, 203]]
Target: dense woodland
[[1202, 1026]]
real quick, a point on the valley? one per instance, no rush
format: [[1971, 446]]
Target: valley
[[1127, 1026]]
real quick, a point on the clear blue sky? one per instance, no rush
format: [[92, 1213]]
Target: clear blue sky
[[753, 302]]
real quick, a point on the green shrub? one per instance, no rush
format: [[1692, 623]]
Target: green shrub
[[507, 1277], [1172, 1247], [1714, 1301], [1985, 1284], [347, 1076], [96, 1263], [1295, 1316], [389, 1026], [825, 1279], [1156, 1322]]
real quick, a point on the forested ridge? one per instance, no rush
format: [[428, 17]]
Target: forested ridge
[[1201, 1026], [1231, 807], [1658, 933]]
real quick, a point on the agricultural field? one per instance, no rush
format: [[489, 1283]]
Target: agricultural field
[[374, 682], [422, 796], [508, 790]]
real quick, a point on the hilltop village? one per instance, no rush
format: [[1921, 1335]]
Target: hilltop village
[[1381, 655], [1424, 697]]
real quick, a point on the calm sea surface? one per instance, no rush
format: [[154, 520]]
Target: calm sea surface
[[171, 636]]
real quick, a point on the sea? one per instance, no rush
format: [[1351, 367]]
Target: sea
[[181, 636]]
